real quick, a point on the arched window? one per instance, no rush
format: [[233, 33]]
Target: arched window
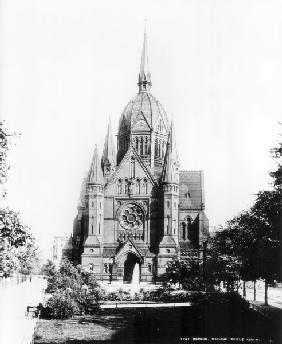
[[150, 267], [189, 228], [132, 168], [183, 230], [138, 186], [145, 186], [141, 145], [119, 186], [126, 186], [156, 147], [146, 146], [137, 144]]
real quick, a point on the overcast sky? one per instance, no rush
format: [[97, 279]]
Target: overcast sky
[[66, 66]]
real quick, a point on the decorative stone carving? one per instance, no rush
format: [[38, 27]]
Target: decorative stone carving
[[131, 217]]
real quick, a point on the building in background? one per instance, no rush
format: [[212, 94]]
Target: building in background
[[137, 209], [61, 247]]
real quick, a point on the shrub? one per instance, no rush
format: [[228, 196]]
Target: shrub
[[76, 291], [62, 306], [119, 295]]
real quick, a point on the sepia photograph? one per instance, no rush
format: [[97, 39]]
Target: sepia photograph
[[140, 171]]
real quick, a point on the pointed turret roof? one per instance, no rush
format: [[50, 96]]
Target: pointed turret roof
[[81, 201], [171, 158], [109, 152], [95, 174], [144, 80]]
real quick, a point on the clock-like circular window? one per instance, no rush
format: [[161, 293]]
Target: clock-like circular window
[[131, 217]]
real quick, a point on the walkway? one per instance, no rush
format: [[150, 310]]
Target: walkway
[[15, 328], [274, 295]]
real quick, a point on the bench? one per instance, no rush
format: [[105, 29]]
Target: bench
[[32, 312]]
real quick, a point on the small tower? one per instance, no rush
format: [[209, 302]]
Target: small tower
[[109, 154], [144, 79], [170, 181], [94, 212]]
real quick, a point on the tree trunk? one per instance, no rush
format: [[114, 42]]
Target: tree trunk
[[265, 292], [244, 289], [255, 290], [237, 286]]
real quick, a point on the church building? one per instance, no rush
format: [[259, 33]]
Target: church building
[[138, 209]]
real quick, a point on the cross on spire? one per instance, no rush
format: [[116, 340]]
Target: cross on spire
[[144, 79]]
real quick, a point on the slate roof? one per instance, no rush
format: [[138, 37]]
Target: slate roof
[[191, 190], [109, 252], [147, 104]]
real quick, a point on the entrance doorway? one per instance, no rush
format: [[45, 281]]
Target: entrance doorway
[[131, 269]]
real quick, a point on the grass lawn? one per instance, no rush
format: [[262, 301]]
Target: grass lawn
[[152, 325], [80, 329]]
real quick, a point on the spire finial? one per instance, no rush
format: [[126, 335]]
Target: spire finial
[[144, 80], [95, 174], [109, 152], [170, 172]]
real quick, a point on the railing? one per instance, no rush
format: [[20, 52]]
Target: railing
[[9, 282]]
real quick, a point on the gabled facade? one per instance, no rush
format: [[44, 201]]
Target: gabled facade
[[137, 209]]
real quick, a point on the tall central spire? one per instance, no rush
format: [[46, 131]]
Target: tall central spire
[[144, 80]]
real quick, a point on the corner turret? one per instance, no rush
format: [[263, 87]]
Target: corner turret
[[169, 244], [94, 214]]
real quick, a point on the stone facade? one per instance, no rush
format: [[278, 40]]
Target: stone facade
[[137, 209]]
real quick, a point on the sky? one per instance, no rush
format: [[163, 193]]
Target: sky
[[67, 66]]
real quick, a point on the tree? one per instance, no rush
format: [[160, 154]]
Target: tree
[[17, 248], [223, 264], [277, 175], [251, 241], [4, 147], [186, 273], [268, 210], [48, 268], [28, 260]]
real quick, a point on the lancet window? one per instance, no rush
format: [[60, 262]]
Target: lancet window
[[132, 167], [138, 186], [186, 228], [141, 144], [145, 186], [146, 145], [126, 186], [119, 186], [183, 231]]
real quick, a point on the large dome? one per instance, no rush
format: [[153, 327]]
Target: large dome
[[143, 123], [146, 104]]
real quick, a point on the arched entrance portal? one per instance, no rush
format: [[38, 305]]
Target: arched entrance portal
[[131, 269]]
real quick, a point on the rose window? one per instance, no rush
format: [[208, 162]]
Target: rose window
[[131, 217]]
